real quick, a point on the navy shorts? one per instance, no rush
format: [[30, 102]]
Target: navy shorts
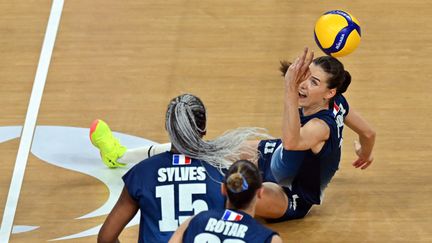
[[270, 150], [297, 208], [266, 149]]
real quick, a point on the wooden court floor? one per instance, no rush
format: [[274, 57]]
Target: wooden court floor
[[124, 60]]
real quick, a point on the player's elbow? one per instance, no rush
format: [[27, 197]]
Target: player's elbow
[[102, 239]]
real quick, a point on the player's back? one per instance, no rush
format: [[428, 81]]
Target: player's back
[[226, 226], [169, 188]]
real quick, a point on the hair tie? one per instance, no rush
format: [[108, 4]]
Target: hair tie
[[245, 185]]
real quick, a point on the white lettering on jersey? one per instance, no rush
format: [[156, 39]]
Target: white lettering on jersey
[[184, 173], [293, 203], [186, 203], [226, 228], [340, 121], [269, 147]]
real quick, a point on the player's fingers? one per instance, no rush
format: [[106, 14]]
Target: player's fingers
[[358, 163], [299, 62], [306, 75], [355, 162], [309, 58], [294, 64], [307, 61], [303, 57], [366, 165]]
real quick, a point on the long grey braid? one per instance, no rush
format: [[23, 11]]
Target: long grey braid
[[186, 125]]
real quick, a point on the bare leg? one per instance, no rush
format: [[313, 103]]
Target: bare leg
[[273, 202], [139, 154]]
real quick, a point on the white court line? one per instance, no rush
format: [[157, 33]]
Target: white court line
[[30, 120]]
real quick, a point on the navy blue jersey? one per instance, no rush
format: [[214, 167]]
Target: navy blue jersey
[[170, 188], [317, 170], [305, 173], [226, 225]]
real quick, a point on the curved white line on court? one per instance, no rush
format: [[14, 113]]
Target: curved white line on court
[[70, 148], [9, 133], [94, 230], [16, 229], [89, 232]]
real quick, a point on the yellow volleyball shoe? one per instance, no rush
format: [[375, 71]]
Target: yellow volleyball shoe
[[109, 147]]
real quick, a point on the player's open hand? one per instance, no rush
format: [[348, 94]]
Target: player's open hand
[[299, 70], [363, 161]]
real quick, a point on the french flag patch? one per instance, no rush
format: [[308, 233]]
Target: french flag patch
[[231, 216], [181, 159], [335, 109]]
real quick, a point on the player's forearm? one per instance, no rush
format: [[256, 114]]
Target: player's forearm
[[367, 142], [291, 119], [177, 237]]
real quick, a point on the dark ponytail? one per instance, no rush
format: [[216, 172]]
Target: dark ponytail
[[345, 83], [284, 65], [339, 78], [242, 181]]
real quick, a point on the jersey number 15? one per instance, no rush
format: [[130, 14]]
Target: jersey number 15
[[185, 204]]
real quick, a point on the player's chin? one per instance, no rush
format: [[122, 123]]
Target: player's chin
[[303, 102]]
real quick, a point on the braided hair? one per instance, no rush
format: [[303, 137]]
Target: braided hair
[[186, 125]]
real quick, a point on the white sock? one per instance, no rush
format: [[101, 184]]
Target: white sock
[[139, 154]]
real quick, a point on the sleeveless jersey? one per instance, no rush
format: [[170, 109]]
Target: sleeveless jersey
[[226, 226], [307, 174], [170, 188], [317, 170]]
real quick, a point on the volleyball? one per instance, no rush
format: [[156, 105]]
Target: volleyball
[[337, 33]]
